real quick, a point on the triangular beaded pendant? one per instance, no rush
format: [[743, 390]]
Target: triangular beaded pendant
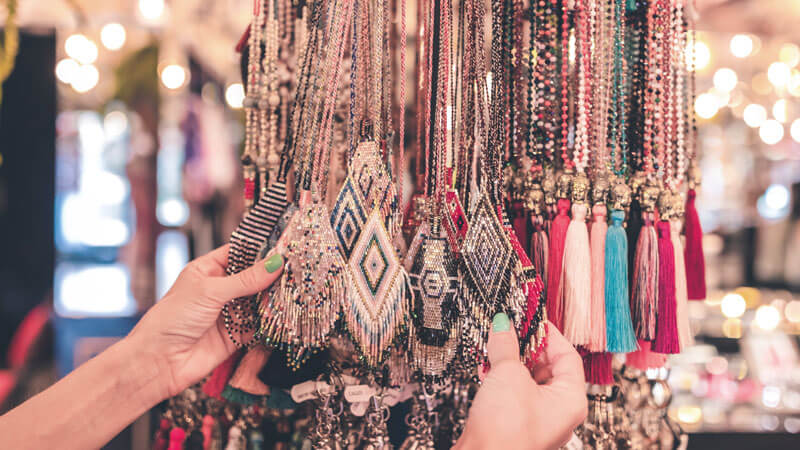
[[379, 291], [435, 284], [305, 306], [374, 181]]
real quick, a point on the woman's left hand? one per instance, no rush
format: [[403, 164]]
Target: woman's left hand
[[183, 333]]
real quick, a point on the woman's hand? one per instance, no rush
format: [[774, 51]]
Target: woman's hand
[[183, 333], [513, 410]]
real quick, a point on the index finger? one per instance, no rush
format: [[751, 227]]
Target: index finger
[[561, 365]]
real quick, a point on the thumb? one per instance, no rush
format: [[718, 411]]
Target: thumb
[[250, 281], [502, 345]]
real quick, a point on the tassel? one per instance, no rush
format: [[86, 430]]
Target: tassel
[[620, 337], [666, 340], [645, 358], [216, 383], [633, 230], [695, 261], [597, 368], [577, 279], [245, 387], [681, 298], [208, 431], [160, 442], [630, 5], [539, 249], [645, 281], [558, 236], [176, 438], [236, 440], [597, 239], [520, 224]]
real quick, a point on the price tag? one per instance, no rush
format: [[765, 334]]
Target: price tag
[[359, 409], [358, 393], [304, 391], [391, 397]]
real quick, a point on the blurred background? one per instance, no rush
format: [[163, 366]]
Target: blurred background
[[120, 129]]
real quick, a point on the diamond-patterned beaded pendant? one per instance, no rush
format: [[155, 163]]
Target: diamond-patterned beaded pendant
[[455, 221], [487, 254], [303, 309], [379, 291], [241, 315], [348, 217], [435, 284], [374, 181]]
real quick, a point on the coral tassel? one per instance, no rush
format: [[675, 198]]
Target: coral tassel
[[597, 239], [681, 297], [667, 340], [558, 236], [216, 383], [597, 368], [620, 337], [577, 279], [694, 259], [176, 438], [644, 296], [245, 387], [644, 358]]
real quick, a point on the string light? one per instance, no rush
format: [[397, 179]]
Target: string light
[[173, 76], [113, 36], [725, 79], [66, 69], [81, 49], [733, 305], [85, 79], [234, 95], [151, 9], [767, 317], [779, 74], [754, 115], [771, 132], [741, 45], [706, 105]]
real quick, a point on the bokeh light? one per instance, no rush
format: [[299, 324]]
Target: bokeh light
[[771, 132], [173, 76], [81, 49], [733, 305], [741, 45], [725, 79], [234, 95], [113, 36], [767, 317]]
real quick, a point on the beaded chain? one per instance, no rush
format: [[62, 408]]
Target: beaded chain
[[581, 150], [565, 22], [617, 108], [253, 133]]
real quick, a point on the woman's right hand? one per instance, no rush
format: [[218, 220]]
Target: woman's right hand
[[514, 410]]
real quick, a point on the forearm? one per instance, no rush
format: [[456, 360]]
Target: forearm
[[89, 406]]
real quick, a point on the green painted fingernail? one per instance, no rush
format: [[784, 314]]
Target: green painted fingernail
[[274, 263], [501, 323]]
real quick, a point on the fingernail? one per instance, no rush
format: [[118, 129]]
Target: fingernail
[[501, 323], [274, 262]]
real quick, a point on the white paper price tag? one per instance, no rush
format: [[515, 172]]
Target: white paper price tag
[[304, 391], [359, 409], [358, 393], [391, 397]]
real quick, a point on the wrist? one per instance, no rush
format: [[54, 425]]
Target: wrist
[[145, 369]]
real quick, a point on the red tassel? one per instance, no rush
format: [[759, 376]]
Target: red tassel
[[176, 438], [558, 237], [520, 224], [693, 253], [216, 383], [644, 296], [597, 368], [644, 358], [667, 340], [160, 442]]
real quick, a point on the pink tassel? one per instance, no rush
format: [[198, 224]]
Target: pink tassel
[[176, 438], [520, 224], [695, 261], [160, 442], [681, 296], [644, 296], [597, 239], [577, 279], [216, 383], [667, 340], [597, 368], [558, 236], [644, 358], [208, 431], [539, 249], [245, 378]]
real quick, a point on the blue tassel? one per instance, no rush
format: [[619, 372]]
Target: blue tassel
[[619, 328]]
